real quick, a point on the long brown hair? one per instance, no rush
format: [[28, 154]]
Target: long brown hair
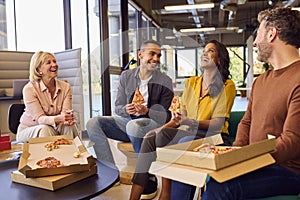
[[223, 67]]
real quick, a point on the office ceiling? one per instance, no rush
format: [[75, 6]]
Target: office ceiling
[[234, 20]]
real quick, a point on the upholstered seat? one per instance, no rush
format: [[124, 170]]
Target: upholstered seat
[[15, 112]]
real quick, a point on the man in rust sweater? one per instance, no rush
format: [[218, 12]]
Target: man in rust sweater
[[274, 108]]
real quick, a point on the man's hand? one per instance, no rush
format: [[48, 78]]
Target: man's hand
[[130, 109], [140, 109]]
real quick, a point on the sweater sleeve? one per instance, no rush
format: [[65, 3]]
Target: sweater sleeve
[[288, 143], [121, 99]]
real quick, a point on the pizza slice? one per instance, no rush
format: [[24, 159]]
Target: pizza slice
[[175, 105], [49, 162], [138, 97]]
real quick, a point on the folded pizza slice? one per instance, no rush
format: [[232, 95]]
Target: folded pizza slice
[[138, 97], [175, 105]]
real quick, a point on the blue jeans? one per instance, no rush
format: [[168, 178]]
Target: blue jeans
[[265, 182], [101, 128]]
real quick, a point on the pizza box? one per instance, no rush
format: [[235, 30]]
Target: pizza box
[[179, 162], [183, 153], [35, 150], [52, 182], [197, 176]]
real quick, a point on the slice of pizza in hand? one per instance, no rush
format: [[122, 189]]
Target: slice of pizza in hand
[[175, 105], [138, 97]]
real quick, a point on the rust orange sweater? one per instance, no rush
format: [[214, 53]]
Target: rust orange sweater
[[274, 108]]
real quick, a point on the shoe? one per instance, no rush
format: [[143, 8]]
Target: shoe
[[150, 191]]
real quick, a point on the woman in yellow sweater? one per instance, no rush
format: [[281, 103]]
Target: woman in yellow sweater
[[205, 108]]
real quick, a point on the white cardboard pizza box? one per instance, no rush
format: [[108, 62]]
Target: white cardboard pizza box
[[197, 176], [52, 182], [179, 162], [183, 153], [35, 150]]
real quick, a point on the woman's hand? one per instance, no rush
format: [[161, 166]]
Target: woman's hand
[[176, 117], [181, 118], [68, 117]]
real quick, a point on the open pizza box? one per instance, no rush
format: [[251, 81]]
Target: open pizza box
[[35, 150], [179, 162], [53, 182]]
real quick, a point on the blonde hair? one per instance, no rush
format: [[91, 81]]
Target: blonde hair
[[36, 61]]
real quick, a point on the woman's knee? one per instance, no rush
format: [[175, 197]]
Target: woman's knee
[[46, 130], [63, 129]]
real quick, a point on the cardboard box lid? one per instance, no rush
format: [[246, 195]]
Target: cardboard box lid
[[183, 154], [35, 151], [53, 182], [197, 176]]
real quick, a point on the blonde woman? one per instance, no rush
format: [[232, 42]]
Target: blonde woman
[[48, 101]]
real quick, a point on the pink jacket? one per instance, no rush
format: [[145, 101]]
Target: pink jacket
[[40, 108]]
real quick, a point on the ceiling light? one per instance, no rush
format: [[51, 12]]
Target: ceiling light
[[296, 8], [232, 28], [240, 30], [114, 34], [190, 6], [207, 29], [170, 37]]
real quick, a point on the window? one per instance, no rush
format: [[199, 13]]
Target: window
[[132, 32], [237, 64], [185, 62], [37, 30], [115, 47]]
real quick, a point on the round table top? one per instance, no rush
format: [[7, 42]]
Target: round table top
[[83, 189]]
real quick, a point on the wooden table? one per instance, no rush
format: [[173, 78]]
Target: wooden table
[[84, 189]]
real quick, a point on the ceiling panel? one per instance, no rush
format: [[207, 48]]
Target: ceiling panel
[[240, 14]]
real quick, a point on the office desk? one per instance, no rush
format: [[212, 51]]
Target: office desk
[[84, 189]]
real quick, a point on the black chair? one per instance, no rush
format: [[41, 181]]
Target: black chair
[[15, 112]]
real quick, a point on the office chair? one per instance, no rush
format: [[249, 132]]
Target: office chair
[[15, 112]]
